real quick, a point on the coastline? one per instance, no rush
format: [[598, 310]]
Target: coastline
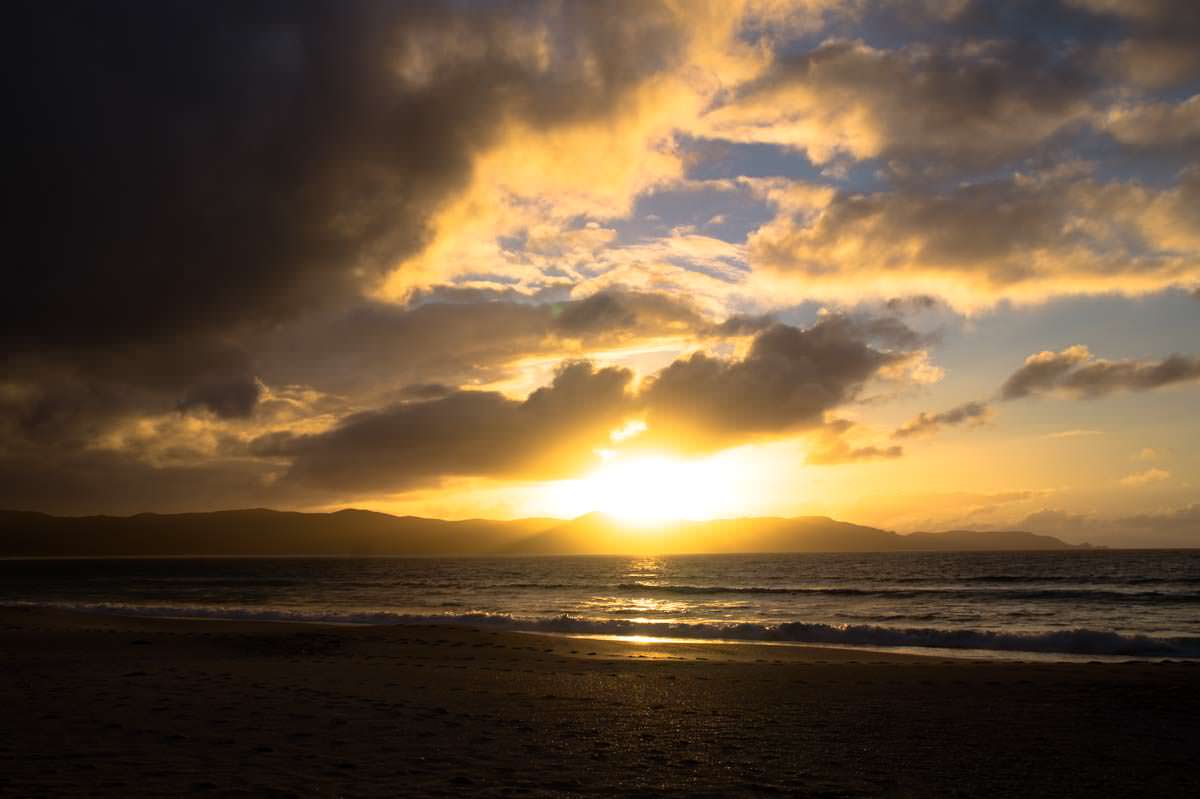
[[129, 706], [1064, 645]]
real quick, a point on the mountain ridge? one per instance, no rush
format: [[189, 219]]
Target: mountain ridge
[[354, 531]]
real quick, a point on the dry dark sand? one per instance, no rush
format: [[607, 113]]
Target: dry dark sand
[[105, 706]]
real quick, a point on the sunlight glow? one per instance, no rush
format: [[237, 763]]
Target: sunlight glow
[[648, 489]]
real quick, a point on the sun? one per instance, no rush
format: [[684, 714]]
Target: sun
[[651, 489]]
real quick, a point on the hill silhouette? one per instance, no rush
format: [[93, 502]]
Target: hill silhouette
[[259, 531]]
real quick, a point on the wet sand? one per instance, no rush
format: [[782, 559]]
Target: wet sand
[[107, 706]]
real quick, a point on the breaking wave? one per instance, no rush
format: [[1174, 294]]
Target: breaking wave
[[1063, 642]]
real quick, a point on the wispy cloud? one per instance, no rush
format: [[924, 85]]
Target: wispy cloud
[[1074, 433], [1152, 475]]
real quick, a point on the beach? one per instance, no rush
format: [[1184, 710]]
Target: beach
[[99, 705]]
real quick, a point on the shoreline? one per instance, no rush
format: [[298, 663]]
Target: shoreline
[[134, 706], [501, 623]]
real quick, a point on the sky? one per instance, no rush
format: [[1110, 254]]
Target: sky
[[920, 264]]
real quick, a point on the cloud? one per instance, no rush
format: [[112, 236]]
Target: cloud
[[1184, 520], [550, 433], [1156, 124], [308, 225], [955, 102], [426, 391], [742, 325], [1027, 237], [1078, 433], [1050, 520], [788, 380], [192, 180], [912, 304], [65, 401], [1157, 47], [830, 446], [1138, 479], [97, 481], [461, 337], [1075, 372], [304, 149], [1168, 528], [625, 312], [927, 424], [1043, 370], [235, 398]]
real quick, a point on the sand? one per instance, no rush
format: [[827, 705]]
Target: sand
[[108, 706]]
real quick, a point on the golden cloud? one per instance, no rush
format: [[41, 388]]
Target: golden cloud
[[1024, 238]]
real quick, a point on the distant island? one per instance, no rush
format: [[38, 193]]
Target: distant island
[[260, 532]]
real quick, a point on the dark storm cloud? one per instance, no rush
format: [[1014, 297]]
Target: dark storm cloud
[[789, 378], [926, 423], [1074, 371], [551, 432], [191, 174]]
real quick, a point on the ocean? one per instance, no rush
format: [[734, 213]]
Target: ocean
[[1056, 605]]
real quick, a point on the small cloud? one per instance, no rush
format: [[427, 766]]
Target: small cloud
[[841, 452], [1076, 372], [927, 424], [831, 447], [838, 170], [1138, 479], [1074, 433], [1147, 454], [916, 367]]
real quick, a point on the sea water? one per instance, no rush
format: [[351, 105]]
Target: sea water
[[1128, 603]]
